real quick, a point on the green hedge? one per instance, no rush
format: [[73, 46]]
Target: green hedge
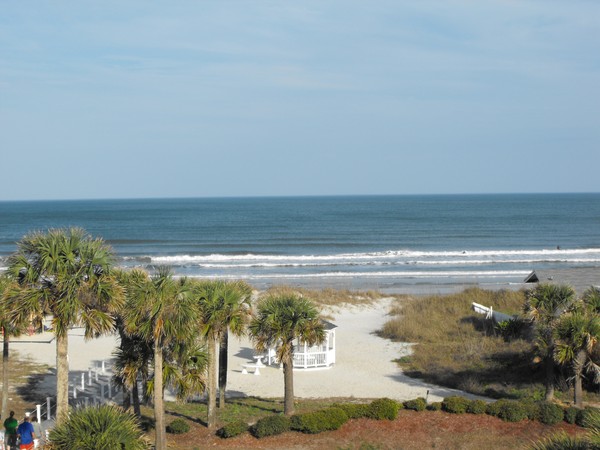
[[383, 409], [549, 413], [570, 414], [232, 429], [178, 426], [418, 404], [435, 406], [354, 410], [270, 426], [318, 421], [508, 410], [455, 404], [477, 407]]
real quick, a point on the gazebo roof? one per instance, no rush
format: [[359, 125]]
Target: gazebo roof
[[328, 325]]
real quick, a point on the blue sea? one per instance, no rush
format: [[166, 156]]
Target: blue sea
[[356, 242]]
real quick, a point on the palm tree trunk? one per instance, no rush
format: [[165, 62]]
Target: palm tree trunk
[[62, 377], [288, 382], [136, 399], [578, 387], [223, 350], [5, 374], [549, 363], [213, 345], [159, 411]]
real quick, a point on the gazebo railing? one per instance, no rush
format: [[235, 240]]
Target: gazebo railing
[[311, 359]]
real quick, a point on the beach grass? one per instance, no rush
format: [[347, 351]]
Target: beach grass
[[458, 348], [330, 297]]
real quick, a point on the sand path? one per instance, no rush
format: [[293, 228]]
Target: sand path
[[364, 362]]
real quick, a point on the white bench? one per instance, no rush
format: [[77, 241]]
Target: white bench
[[245, 368]]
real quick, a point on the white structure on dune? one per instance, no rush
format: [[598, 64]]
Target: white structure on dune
[[319, 356]]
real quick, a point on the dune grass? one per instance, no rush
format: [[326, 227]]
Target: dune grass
[[330, 297], [457, 348]]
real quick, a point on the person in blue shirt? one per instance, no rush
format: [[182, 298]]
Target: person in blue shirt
[[27, 434]]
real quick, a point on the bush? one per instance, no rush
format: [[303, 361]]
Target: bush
[[549, 413], [354, 410], [435, 406], [383, 408], [94, 427], [455, 405], [418, 404], [477, 407], [318, 421], [570, 414], [508, 410], [270, 426], [232, 429], [588, 417], [178, 426]]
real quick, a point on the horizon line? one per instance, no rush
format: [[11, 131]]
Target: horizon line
[[233, 197]]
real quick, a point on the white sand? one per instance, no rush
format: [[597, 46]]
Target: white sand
[[364, 362]]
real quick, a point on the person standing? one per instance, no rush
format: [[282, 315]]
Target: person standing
[[27, 434], [10, 435]]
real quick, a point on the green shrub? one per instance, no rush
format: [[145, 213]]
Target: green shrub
[[232, 429], [270, 426], [105, 426], [477, 407], [383, 408], [549, 413], [588, 417], [178, 426], [318, 421], [354, 410], [455, 404], [435, 406], [570, 414], [418, 404], [508, 410]]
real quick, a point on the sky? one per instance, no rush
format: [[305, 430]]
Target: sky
[[139, 99]]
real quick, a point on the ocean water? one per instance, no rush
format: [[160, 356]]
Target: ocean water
[[385, 242]]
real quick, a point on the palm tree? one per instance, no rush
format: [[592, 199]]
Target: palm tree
[[8, 329], [222, 306], [591, 299], [162, 311], [576, 334], [544, 305], [279, 320], [65, 274], [237, 307]]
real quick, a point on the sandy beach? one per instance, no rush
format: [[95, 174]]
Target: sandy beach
[[364, 368]]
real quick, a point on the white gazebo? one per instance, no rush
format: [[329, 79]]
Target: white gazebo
[[319, 356]]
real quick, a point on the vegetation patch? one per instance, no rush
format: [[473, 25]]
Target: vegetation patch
[[233, 429], [178, 426], [418, 404], [270, 426], [383, 409], [319, 421], [461, 349]]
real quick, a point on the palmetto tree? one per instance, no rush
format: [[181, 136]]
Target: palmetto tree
[[223, 306], [162, 311], [8, 330], [576, 334], [279, 320], [105, 427], [65, 274], [544, 305], [591, 299]]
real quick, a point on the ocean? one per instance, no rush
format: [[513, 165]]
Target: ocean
[[391, 243]]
